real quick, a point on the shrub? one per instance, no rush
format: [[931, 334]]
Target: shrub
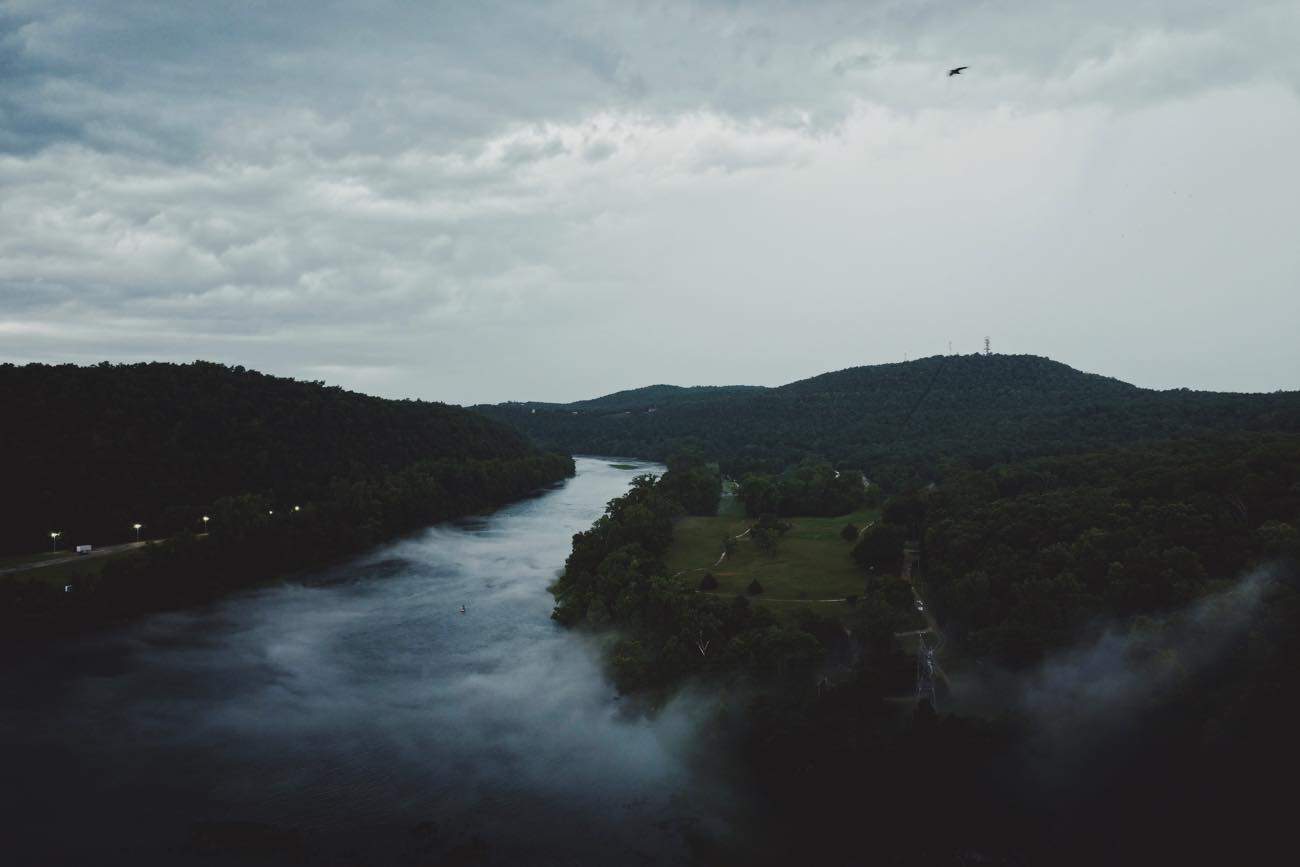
[[849, 533], [754, 588], [708, 582]]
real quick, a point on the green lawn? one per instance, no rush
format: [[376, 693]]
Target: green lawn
[[811, 561], [729, 504]]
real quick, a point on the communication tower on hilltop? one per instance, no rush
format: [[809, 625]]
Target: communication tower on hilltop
[[987, 351]]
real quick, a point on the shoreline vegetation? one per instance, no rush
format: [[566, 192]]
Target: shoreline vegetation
[[904, 424], [246, 477], [249, 544], [1078, 603], [619, 576], [1021, 559]]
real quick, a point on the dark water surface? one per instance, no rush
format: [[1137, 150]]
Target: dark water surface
[[355, 716]]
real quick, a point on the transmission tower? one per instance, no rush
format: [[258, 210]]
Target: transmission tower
[[987, 351]]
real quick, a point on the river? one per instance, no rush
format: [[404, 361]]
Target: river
[[355, 716]]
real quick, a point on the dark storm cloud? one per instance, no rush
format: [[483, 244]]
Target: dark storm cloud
[[474, 201]]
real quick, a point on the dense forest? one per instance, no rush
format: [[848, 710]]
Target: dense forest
[[90, 451], [807, 488], [1121, 627], [288, 475], [899, 423], [1021, 559], [248, 541]]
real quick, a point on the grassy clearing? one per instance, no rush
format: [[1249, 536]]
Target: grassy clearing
[[730, 505], [811, 561]]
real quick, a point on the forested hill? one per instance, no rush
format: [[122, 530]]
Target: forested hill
[[641, 399], [92, 450], [901, 422]]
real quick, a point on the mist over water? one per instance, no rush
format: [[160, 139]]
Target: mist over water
[[359, 714]]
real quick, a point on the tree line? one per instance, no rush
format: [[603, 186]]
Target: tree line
[[903, 424], [250, 541], [810, 487], [1022, 559], [288, 474], [91, 451], [615, 577], [1029, 564]]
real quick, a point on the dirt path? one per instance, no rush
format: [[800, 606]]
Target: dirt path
[[723, 556], [762, 598]]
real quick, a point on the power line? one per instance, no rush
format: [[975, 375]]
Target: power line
[[930, 387]]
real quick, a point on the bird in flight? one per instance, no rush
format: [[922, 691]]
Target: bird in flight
[[956, 71]]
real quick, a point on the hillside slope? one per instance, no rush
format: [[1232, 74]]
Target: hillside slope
[[901, 422], [92, 450], [639, 399]]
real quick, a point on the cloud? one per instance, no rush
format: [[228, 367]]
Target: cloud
[[480, 198], [1105, 689]]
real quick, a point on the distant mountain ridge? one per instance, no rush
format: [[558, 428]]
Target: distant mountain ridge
[[1024, 370], [647, 397], [897, 421]]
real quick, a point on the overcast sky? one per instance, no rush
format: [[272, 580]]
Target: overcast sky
[[476, 201]]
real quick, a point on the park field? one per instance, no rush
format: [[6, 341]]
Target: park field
[[811, 562]]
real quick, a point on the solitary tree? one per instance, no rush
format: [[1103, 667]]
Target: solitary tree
[[764, 539]]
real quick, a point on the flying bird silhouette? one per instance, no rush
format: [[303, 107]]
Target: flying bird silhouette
[[956, 71]]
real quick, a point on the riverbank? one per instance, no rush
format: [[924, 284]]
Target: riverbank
[[356, 714], [248, 544]]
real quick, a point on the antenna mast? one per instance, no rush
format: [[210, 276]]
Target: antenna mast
[[987, 351]]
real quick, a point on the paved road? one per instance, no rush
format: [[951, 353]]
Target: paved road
[[55, 561]]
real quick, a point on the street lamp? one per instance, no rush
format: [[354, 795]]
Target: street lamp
[[297, 508], [205, 523], [54, 539], [137, 531]]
